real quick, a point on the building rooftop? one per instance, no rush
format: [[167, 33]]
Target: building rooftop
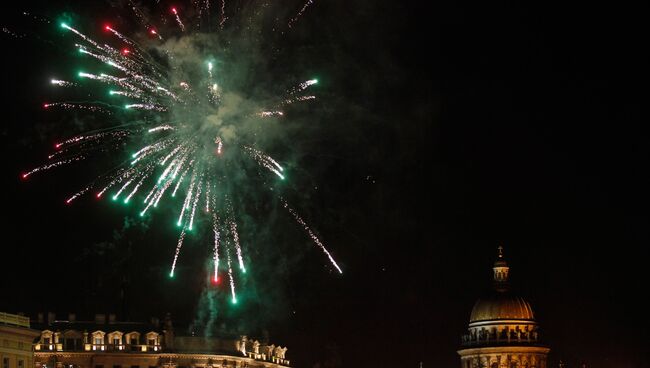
[[8, 319]]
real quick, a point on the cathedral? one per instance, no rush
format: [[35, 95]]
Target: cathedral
[[502, 331]]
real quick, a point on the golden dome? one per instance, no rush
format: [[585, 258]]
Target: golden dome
[[501, 306]]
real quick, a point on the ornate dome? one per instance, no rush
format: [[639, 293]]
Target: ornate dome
[[502, 330], [501, 306]]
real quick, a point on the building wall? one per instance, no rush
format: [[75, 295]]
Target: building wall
[[504, 357], [147, 360], [59, 346], [16, 340]]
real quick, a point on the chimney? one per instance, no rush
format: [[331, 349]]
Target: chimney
[[72, 317], [111, 318], [40, 317], [100, 318], [51, 317]]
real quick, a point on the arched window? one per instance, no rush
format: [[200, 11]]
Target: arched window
[[98, 340]]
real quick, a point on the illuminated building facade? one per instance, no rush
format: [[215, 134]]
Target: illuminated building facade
[[502, 330], [112, 344], [16, 339]]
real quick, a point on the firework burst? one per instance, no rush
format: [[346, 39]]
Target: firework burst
[[184, 121]]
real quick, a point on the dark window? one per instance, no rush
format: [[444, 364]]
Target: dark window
[[116, 341], [21, 364], [117, 366], [152, 342], [134, 341], [5, 363], [46, 340]]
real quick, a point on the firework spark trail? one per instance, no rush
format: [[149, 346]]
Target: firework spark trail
[[207, 197], [151, 202], [172, 154], [159, 128], [235, 238], [215, 229], [178, 184], [12, 34], [125, 93], [121, 175], [162, 192], [313, 236], [139, 14], [145, 152], [153, 190], [103, 133], [304, 85], [223, 14], [78, 194], [105, 59], [137, 186], [52, 165], [196, 201], [179, 166], [145, 107], [219, 143], [122, 189], [265, 160], [289, 101], [178, 251], [167, 170], [71, 141], [120, 36], [188, 198], [232, 280], [83, 36], [62, 83], [78, 106], [178, 19], [265, 114], [295, 19]]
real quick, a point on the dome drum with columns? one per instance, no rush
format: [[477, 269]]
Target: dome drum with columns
[[502, 331]]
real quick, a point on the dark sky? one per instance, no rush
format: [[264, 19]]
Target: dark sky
[[446, 131]]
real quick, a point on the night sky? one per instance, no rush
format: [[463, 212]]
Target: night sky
[[439, 134]]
